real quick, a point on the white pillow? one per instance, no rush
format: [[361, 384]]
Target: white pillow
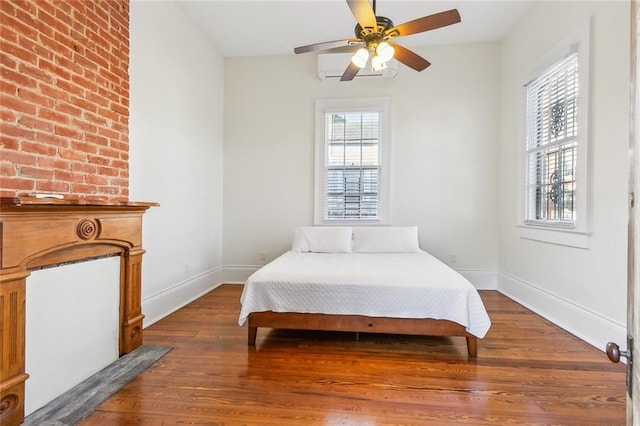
[[322, 239], [386, 239]]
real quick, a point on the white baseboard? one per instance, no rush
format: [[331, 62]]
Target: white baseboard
[[175, 297], [238, 274], [481, 279], [583, 323]]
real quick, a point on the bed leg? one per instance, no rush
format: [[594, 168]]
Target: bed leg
[[253, 331], [472, 346]]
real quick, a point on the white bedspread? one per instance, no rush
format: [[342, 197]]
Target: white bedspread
[[399, 285]]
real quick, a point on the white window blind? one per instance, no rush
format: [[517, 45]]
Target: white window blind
[[552, 135], [352, 165]]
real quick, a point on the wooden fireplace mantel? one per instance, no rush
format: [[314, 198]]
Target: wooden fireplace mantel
[[37, 232]]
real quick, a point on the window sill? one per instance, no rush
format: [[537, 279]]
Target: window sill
[[559, 236], [351, 223]]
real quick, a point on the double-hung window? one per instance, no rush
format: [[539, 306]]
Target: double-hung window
[[552, 140], [556, 146], [351, 161]]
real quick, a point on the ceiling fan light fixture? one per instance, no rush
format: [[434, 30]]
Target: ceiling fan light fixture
[[360, 58], [385, 51], [378, 64]]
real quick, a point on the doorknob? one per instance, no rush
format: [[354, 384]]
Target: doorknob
[[614, 353]]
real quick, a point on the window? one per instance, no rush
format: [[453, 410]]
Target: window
[[351, 161], [552, 138], [556, 146]]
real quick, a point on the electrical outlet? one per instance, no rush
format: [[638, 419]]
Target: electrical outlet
[[263, 256], [186, 268], [452, 258]]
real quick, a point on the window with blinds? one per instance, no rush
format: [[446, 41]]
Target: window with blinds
[[551, 144], [352, 165], [351, 171]]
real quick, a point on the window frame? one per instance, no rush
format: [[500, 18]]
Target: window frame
[[324, 106], [570, 233]]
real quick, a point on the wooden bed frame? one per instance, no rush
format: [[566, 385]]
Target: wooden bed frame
[[359, 323]]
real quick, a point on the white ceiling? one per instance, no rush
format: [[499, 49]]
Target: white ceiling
[[275, 27]]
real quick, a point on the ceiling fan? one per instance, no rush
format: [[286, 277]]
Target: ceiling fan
[[374, 34]]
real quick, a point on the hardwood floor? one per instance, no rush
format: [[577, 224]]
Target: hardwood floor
[[528, 371]]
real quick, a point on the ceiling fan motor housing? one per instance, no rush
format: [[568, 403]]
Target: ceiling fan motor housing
[[365, 34]]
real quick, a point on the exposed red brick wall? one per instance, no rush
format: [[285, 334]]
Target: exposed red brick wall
[[64, 105]]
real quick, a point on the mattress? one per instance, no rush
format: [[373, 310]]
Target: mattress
[[396, 285]]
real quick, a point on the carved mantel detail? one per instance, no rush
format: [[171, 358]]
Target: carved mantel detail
[[42, 232]]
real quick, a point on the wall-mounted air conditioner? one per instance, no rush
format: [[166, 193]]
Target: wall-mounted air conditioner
[[331, 66]]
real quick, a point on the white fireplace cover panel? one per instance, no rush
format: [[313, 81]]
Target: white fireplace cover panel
[[71, 326]]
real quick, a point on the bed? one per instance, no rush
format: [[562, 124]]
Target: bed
[[362, 279]]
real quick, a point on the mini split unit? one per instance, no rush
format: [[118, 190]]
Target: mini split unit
[[331, 66]]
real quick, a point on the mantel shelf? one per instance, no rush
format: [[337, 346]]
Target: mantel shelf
[[9, 202]]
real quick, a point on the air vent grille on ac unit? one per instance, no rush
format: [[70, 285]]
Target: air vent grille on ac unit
[[331, 66]]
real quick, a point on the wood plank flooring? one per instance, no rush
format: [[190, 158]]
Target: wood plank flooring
[[528, 371]]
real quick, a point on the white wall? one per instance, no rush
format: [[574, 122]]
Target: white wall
[[584, 290], [443, 157], [177, 90], [176, 110]]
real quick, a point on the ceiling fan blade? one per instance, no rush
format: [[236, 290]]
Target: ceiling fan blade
[[350, 72], [409, 58], [363, 13], [346, 49], [426, 23], [325, 45]]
